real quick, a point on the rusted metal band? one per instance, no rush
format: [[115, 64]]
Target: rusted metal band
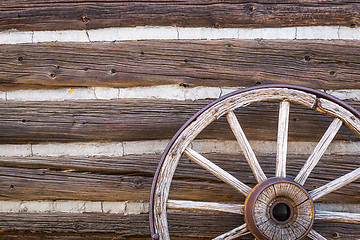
[[317, 93]]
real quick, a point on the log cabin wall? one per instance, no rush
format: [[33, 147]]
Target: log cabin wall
[[92, 92]]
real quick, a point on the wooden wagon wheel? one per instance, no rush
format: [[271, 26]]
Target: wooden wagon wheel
[[277, 207]]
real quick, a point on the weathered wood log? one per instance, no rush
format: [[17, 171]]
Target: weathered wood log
[[119, 120], [109, 226], [331, 230], [244, 63], [65, 14], [129, 177], [203, 225], [33, 235]]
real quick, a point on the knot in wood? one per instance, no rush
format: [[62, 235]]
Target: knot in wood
[[279, 208]]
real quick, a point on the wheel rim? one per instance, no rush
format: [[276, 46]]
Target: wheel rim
[[285, 94]]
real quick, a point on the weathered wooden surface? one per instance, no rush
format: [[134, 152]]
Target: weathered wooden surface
[[129, 177], [235, 233], [33, 235], [344, 217], [68, 14], [114, 226], [217, 171], [129, 120], [121, 226], [334, 231], [205, 206], [245, 146], [318, 151], [282, 138], [237, 63]]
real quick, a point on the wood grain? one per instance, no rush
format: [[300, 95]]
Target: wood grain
[[336, 111], [69, 14], [319, 151], [282, 138], [335, 184], [235, 63], [123, 227], [130, 177], [245, 146], [235, 233], [205, 206], [118, 120], [333, 231], [134, 227], [315, 235], [217, 171], [345, 217]]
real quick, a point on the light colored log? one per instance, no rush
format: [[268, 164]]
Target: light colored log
[[335, 184], [315, 235], [282, 138], [205, 206], [345, 217], [332, 109], [236, 232], [318, 151], [245, 146], [217, 171]]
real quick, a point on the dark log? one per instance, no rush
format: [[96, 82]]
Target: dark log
[[185, 225], [129, 177], [219, 63], [33, 235], [129, 120], [331, 230], [119, 225], [69, 14]]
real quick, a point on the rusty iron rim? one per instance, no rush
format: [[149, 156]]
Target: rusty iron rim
[[317, 93], [254, 194]]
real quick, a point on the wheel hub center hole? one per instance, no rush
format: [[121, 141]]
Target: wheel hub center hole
[[281, 212]]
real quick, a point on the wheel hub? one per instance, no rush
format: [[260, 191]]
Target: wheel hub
[[279, 208]]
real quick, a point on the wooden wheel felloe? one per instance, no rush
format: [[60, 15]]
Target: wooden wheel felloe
[[277, 207]]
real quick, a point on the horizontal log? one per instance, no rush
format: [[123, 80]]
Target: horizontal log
[[331, 230], [114, 226], [65, 14], [123, 227], [131, 120], [129, 177], [33, 235], [234, 63]]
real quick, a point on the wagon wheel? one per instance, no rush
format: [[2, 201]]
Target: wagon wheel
[[277, 207]]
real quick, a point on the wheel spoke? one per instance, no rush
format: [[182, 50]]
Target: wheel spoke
[[206, 206], [344, 217], [236, 232], [217, 171], [282, 139], [318, 151], [315, 235], [245, 147], [335, 184]]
